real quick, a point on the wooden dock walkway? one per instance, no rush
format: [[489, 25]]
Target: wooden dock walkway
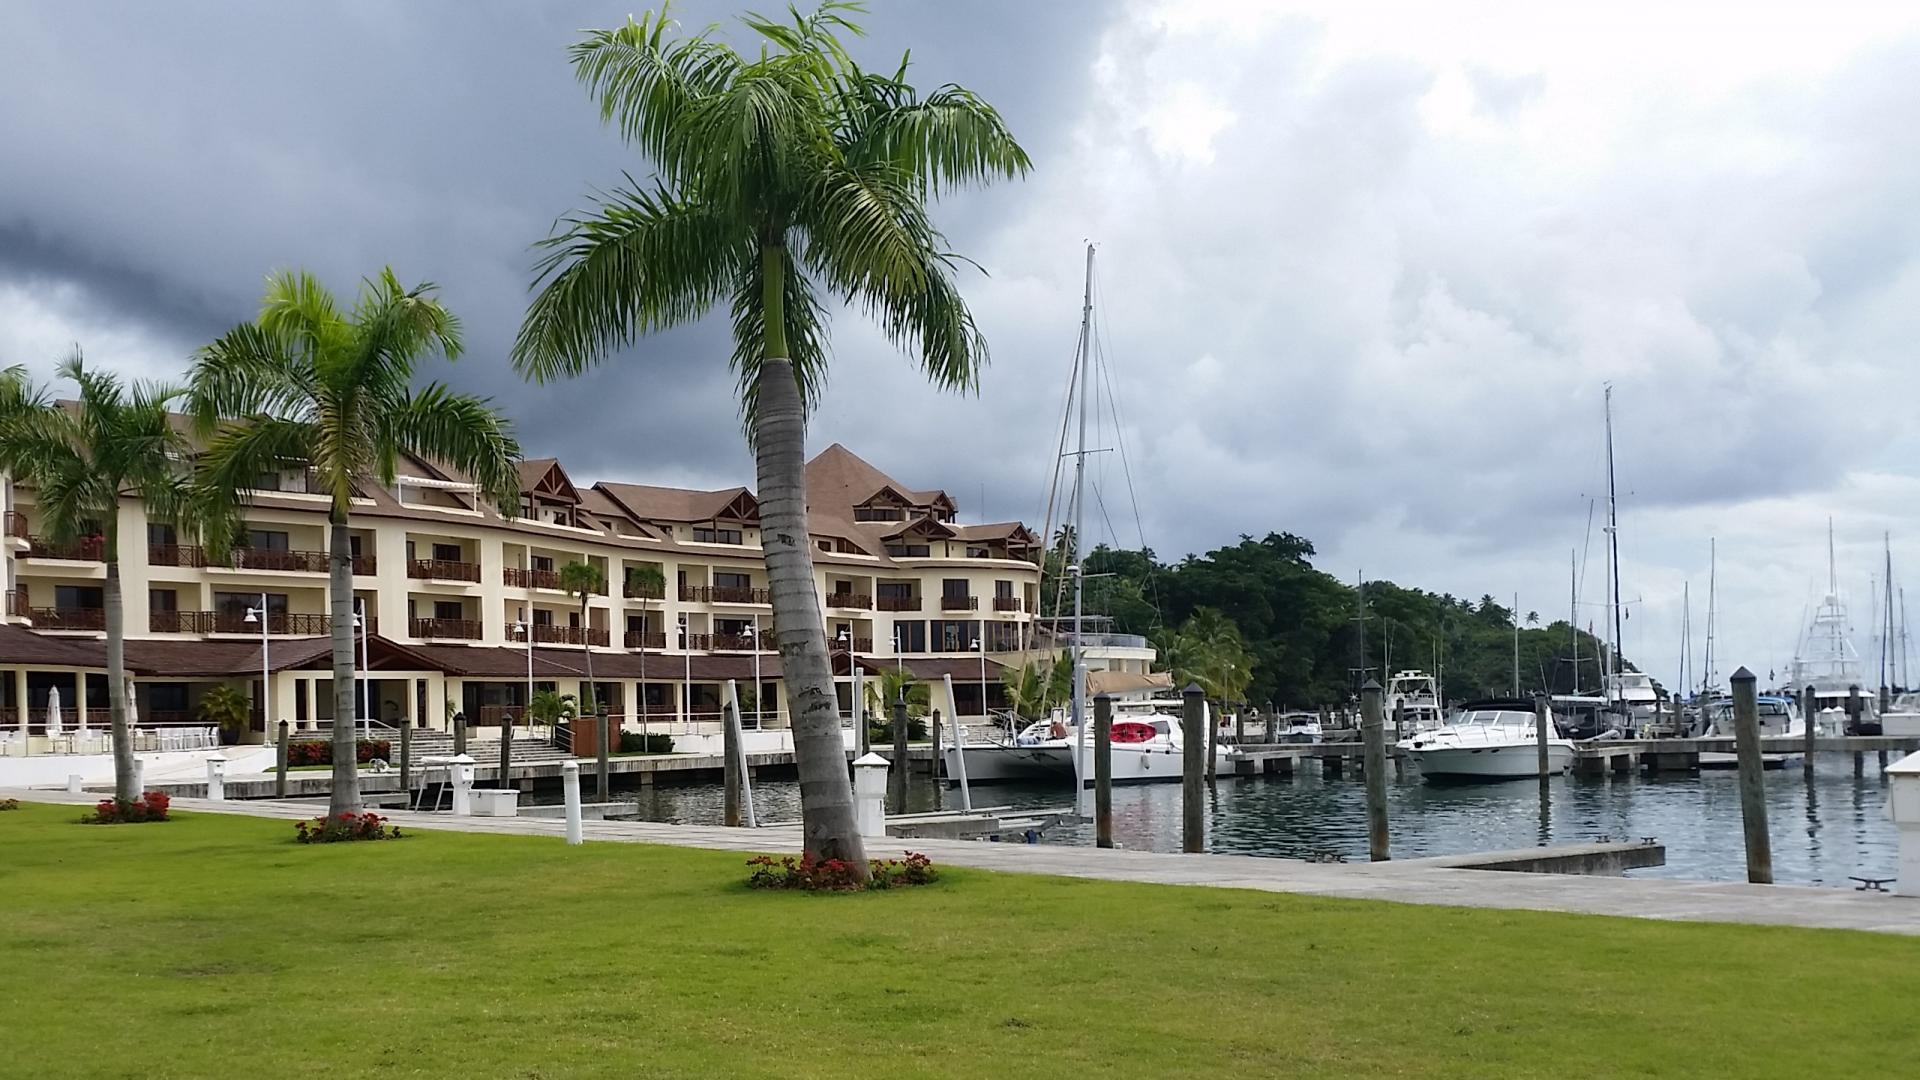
[[1411, 881]]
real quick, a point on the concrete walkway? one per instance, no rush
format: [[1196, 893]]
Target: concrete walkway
[[1410, 882]]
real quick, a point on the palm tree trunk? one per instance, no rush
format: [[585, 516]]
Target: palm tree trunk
[[826, 795], [346, 774], [123, 785]]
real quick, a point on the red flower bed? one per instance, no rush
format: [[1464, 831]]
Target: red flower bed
[[837, 875], [320, 751], [344, 827], [151, 806]]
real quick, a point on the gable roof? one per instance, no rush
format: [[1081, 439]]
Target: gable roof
[[644, 502], [544, 476], [839, 480]]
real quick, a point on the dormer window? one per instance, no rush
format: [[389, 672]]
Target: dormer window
[[704, 534]]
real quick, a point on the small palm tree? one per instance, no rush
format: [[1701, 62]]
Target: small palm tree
[[1533, 618], [645, 581], [584, 580], [310, 384], [1033, 689], [550, 707], [888, 687], [116, 438], [786, 177], [226, 707]]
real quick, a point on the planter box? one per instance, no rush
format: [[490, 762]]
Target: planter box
[[495, 802]]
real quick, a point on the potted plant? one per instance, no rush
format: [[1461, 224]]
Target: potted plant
[[228, 709]]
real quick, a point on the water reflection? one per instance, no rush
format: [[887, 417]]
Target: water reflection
[[1822, 832]]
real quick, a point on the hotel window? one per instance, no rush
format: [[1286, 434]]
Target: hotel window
[[70, 597], [163, 600], [976, 552], [896, 590], [636, 624], [910, 637], [541, 563], [1003, 590], [954, 588], [909, 551], [541, 617], [954, 636], [447, 553], [234, 605], [161, 535], [704, 535], [267, 540], [454, 610], [725, 580]]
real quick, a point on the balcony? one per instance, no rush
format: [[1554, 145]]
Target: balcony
[[365, 565], [557, 634], [15, 523], [445, 629], [303, 562], [724, 594], [176, 555], [516, 578], [646, 639], [1007, 603], [741, 642], [443, 570], [89, 549], [644, 590], [862, 601], [17, 602], [46, 618], [959, 603], [897, 603], [279, 623], [696, 642]]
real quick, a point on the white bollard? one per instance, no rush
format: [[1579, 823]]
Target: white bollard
[[73, 783], [217, 778], [139, 778], [570, 784], [1903, 806], [460, 772], [870, 795]]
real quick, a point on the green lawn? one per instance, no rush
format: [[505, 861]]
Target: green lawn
[[214, 946]]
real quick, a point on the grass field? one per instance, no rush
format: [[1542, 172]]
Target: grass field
[[214, 946]]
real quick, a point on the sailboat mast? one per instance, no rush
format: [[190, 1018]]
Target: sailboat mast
[[1360, 622], [1613, 546], [1713, 585], [1079, 516], [1516, 644], [1686, 637], [1886, 627]]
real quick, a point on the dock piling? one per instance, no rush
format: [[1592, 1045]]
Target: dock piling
[[897, 775], [1103, 770], [1193, 832], [1753, 806], [1399, 733], [604, 788], [730, 765], [1541, 720], [459, 733], [1374, 738], [1273, 721], [406, 761], [933, 761], [506, 752], [280, 764]]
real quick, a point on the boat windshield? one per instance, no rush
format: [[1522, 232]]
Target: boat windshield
[[1494, 718]]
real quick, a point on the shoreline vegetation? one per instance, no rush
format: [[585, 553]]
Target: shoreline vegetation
[[417, 958]]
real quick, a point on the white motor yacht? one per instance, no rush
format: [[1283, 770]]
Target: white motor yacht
[[1415, 698], [1147, 748], [1778, 716], [1488, 740]]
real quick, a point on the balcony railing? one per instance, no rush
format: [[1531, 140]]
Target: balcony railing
[[89, 549], [696, 642], [456, 629], [17, 602], [516, 578], [305, 562], [740, 642], [365, 565], [897, 603], [1006, 603], [443, 570], [46, 618], [279, 623], [959, 603], [646, 639], [724, 594], [16, 524], [557, 634], [863, 644], [176, 555], [859, 600], [644, 590]]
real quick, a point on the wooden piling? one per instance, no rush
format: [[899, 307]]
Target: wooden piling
[[1240, 726], [1273, 724], [897, 776], [406, 761], [1103, 770], [506, 751], [1399, 733], [1213, 744], [730, 766], [1373, 736], [933, 730], [1753, 806], [1542, 720], [280, 764], [459, 733], [1810, 710], [605, 749], [1193, 830]]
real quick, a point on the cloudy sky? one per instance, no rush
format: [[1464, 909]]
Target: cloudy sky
[[1364, 269]]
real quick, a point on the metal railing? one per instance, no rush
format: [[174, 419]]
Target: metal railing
[[16, 524], [176, 555], [724, 594], [644, 590], [89, 549], [443, 570], [897, 603], [305, 562], [959, 603], [458, 629], [46, 618], [741, 642], [861, 601], [365, 565], [645, 639], [516, 578], [1006, 603], [279, 623], [557, 634]]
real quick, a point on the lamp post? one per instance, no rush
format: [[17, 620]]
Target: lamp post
[[686, 683], [259, 615], [759, 688], [525, 630], [360, 627], [980, 646]]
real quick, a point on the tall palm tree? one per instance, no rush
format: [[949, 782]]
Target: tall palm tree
[[311, 384], [582, 580], [646, 581], [117, 438], [785, 177]]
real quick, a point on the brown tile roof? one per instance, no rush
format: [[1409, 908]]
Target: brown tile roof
[[935, 668], [645, 502], [505, 663], [839, 480], [20, 647]]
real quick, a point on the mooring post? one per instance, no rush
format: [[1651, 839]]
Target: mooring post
[[1753, 806], [506, 751], [605, 748], [1273, 721], [1103, 770], [1193, 830], [1240, 725], [1373, 737], [730, 766], [280, 764], [1810, 710], [1855, 706], [897, 776], [933, 760], [1325, 720], [1399, 733], [459, 733], [1213, 742], [406, 761], [1542, 718], [570, 790]]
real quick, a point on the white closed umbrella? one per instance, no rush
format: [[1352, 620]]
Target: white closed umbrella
[[53, 711]]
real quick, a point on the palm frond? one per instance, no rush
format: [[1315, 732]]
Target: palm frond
[[641, 261], [952, 138], [646, 84], [462, 430], [231, 467], [394, 327], [249, 370]]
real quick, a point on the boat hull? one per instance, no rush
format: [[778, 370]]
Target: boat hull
[[1512, 761], [995, 764]]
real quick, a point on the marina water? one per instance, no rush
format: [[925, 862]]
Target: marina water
[[1821, 835]]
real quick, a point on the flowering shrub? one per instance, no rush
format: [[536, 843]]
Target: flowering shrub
[[837, 875], [9, 804], [342, 827], [320, 751], [151, 806]]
